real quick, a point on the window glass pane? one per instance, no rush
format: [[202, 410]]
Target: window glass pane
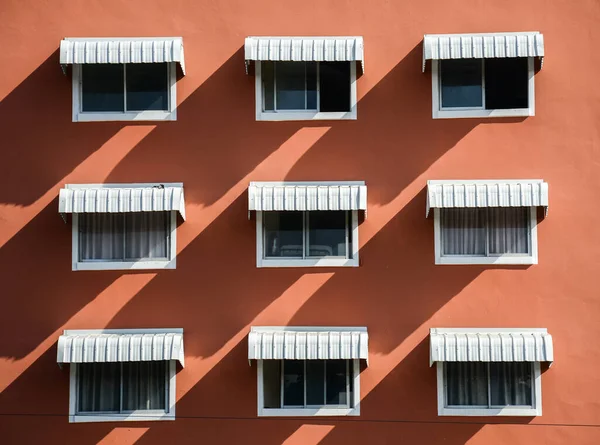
[[511, 383], [147, 86], [293, 382], [315, 382], [506, 83], [268, 81], [144, 385], [466, 384], [102, 87], [100, 236], [336, 382], [283, 234], [327, 234], [508, 230], [461, 83], [311, 85], [147, 235], [272, 383], [334, 80], [351, 381], [99, 387], [463, 231], [290, 85]]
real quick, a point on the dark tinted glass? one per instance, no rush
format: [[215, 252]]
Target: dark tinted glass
[[102, 87], [283, 234], [293, 382], [290, 85], [466, 384], [510, 383], [144, 385], [311, 85], [272, 383], [337, 393], [315, 382], [147, 87], [334, 86], [99, 387], [327, 234], [268, 80], [506, 83], [461, 83]]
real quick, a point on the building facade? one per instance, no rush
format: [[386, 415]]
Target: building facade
[[215, 231]]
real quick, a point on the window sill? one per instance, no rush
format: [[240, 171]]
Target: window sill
[[490, 412], [317, 262], [89, 418], [308, 412], [137, 265], [459, 114], [305, 116], [501, 260], [136, 116]]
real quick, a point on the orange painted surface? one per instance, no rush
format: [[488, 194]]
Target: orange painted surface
[[215, 148]]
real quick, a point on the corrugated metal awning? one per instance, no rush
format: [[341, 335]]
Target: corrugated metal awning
[[122, 50], [305, 49], [478, 193], [482, 46], [121, 198], [307, 196], [490, 345], [308, 343], [111, 345]]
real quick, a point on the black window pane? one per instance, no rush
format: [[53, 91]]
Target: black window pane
[[144, 385], [508, 230], [99, 387], [334, 84], [506, 83], [272, 383], [461, 83], [311, 85], [315, 382], [147, 86], [290, 85], [283, 234], [102, 87], [337, 393], [327, 234], [101, 236], [293, 383], [511, 384], [466, 384], [268, 81]]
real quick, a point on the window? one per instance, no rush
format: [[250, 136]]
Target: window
[[315, 238], [136, 240], [133, 91], [305, 90], [489, 388], [493, 87], [493, 235], [308, 387]]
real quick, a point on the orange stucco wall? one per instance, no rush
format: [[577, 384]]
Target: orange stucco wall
[[216, 147]]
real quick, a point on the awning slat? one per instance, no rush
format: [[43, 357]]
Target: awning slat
[[100, 346], [490, 345]]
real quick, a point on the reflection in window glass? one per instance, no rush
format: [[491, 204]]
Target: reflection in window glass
[[283, 234], [293, 383], [461, 83], [336, 382], [102, 88], [296, 85], [511, 384], [327, 234], [147, 86]]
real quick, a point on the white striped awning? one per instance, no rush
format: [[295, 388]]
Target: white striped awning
[[307, 196], [478, 193], [483, 46], [121, 198], [122, 50], [305, 49], [490, 345], [125, 345], [308, 343]]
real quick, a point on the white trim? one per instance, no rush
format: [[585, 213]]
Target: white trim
[[487, 330], [440, 113], [290, 115], [171, 263], [308, 412], [507, 259], [535, 410], [151, 115], [136, 416], [307, 262]]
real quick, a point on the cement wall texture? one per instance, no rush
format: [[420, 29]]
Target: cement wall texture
[[216, 147]]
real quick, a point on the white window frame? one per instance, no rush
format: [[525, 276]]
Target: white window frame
[[477, 112], [309, 411], [352, 261], [304, 115], [135, 416], [512, 259], [149, 115], [534, 410]]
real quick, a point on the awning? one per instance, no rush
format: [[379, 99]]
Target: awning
[[121, 198], [308, 343], [477, 193], [307, 196], [490, 345], [122, 50], [482, 46], [126, 345], [305, 49]]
